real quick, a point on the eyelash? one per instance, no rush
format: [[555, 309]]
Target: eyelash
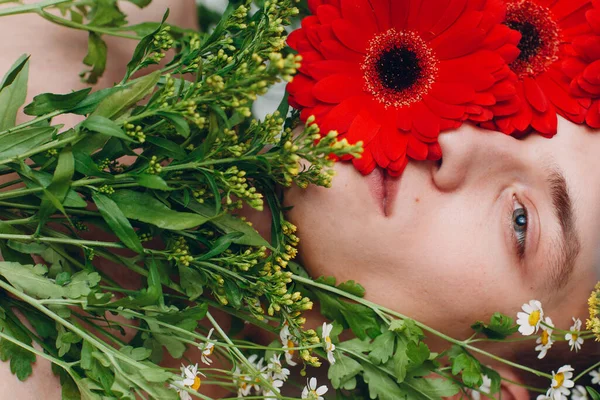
[[520, 231]]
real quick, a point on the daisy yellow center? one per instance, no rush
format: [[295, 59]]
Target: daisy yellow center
[[328, 342], [290, 346], [399, 68], [210, 350], [197, 383], [574, 336], [540, 37], [545, 337], [560, 379], [534, 318]]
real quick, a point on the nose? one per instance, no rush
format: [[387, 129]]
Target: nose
[[471, 154]]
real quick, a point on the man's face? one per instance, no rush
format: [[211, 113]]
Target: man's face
[[498, 222]]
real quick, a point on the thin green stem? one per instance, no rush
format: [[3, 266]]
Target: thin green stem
[[71, 24], [439, 334], [30, 7], [587, 371], [77, 242]]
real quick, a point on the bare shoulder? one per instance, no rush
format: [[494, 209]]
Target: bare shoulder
[[41, 381]]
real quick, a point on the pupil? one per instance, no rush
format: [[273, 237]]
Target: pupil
[[521, 220], [530, 41], [398, 68]]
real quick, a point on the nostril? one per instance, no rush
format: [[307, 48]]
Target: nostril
[[438, 163]]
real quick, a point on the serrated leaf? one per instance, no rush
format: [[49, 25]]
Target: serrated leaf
[[344, 369], [31, 280], [352, 287], [81, 284], [191, 282], [48, 102], [432, 389], [499, 327], [381, 386], [118, 222], [382, 348], [21, 360], [13, 92], [417, 353], [155, 374], [466, 365], [95, 58]]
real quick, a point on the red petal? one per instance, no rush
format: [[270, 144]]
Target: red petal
[[378, 146], [592, 73], [381, 9], [434, 152], [341, 116], [360, 15], [453, 93], [416, 149], [350, 36], [535, 95], [364, 128], [572, 67], [545, 124], [365, 164], [337, 88], [425, 122], [397, 167], [334, 50], [395, 142], [328, 13], [444, 110], [593, 116], [321, 69]]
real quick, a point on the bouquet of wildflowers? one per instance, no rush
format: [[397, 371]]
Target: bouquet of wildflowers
[[162, 165]]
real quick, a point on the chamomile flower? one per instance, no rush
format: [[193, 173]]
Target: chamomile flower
[[312, 392], [276, 370], [529, 319], [207, 349], [579, 393], [287, 340], [485, 388], [243, 382], [277, 384], [561, 385], [595, 376], [545, 340], [190, 378], [574, 338], [327, 345]]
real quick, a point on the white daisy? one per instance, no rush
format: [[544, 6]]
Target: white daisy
[[595, 376], [190, 380], [277, 384], [327, 345], [287, 340], [574, 338], [311, 391], [243, 383], [207, 349], [485, 388], [545, 340], [561, 385], [543, 397], [276, 369], [529, 320], [579, 393]]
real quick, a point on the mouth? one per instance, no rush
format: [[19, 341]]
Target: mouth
[[384, 189]]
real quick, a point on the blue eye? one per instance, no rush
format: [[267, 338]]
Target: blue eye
[[519, 224]]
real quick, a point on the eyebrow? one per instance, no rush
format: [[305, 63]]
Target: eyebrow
[[562, 260]]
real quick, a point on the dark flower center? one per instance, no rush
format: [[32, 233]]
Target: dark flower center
[[540, 37], [399, 68]]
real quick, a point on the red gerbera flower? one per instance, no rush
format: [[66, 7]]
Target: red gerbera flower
[[583, 65], [393, 74], [549, 29]]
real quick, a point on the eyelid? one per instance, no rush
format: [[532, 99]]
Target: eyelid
[[519, 238]]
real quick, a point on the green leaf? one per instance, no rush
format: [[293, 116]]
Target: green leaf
[[118, 222], [233, 293], [382, 348], [381, 386], [123, 99], [181, 125], [593, 393], [167, 147], [230, 224], [90, 103], [146, 208], [152, 182], [49, 102], [107, 13], [44, 179], [344, 369], [191, 282], [140, 3], [95, 58], [13, 92], [155, 374], [356, 345], [172, 344], [143, 48], [417, 353], [400, 361], [23, 140], [31, 280], [81, 284], [21, 360], [56, 192], [105, 126], [353, 288], [500, 326], [220, 245], [467, 365], [433, 389]]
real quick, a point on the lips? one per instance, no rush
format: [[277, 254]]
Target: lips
[[384, 189]]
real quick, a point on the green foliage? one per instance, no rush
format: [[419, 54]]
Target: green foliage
[[499, 327]]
